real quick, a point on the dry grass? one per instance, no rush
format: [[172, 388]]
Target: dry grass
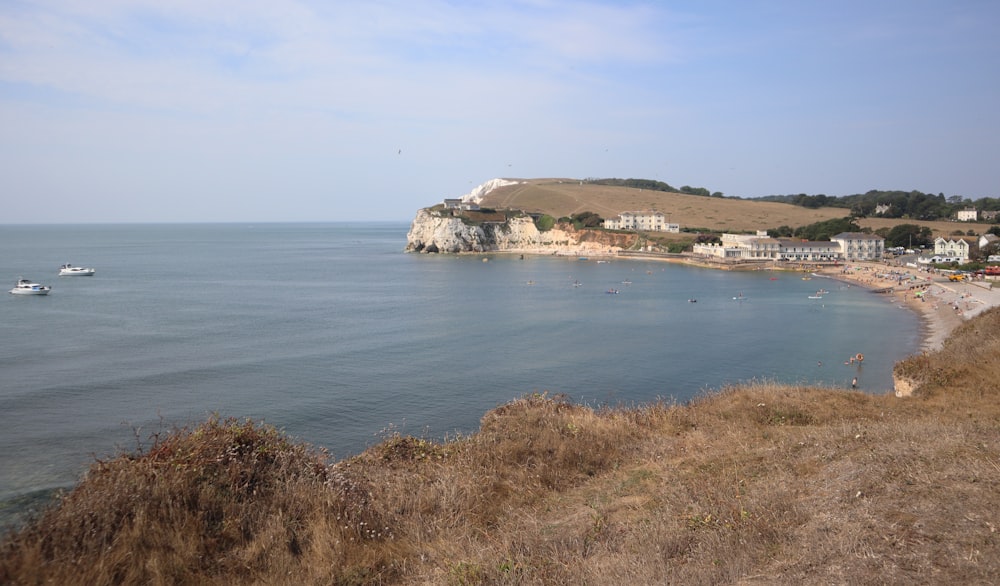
[[938, 228], [758, 484], [564, 197]]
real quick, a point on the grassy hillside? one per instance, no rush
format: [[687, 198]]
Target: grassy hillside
[[564, 197], [758, 484]]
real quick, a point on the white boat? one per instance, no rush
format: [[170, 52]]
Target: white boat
[[27, 287], [68, 270]]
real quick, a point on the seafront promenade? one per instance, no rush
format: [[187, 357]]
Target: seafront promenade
[[941, 304]]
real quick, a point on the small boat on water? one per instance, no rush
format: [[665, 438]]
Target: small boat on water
[[612, 291], [68, 270], [28, 287]]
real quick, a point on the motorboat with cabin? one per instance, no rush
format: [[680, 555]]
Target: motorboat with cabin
[[29, 287], [68, 270]]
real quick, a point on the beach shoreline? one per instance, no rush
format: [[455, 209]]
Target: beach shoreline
[[940, 304]]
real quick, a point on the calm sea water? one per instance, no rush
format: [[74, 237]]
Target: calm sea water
[[332, 333]]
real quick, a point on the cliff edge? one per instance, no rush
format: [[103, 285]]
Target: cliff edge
[[447, 230], [435, 230]]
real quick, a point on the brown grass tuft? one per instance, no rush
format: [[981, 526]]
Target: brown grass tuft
[[755, 484]]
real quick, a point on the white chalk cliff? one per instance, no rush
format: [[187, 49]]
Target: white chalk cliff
[[432, 231], [439, 230], [477, 194]]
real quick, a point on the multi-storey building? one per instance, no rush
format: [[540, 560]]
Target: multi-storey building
[[641, 221], [860, 246]]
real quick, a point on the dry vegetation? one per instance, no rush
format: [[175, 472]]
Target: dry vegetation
[[938, 228], [758, 484], [564, 197]]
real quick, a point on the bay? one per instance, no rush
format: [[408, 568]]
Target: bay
[[332, 333]]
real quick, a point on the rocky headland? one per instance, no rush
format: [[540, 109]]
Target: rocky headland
[[438, 230]]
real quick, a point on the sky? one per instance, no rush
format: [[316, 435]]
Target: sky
[[269, 110]]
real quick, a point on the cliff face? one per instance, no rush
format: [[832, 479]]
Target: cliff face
[[435, 232], [432, 231]]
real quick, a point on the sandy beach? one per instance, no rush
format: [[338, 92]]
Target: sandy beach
[[941, 304]]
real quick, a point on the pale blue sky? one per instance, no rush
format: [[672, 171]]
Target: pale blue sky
[[151, 111]]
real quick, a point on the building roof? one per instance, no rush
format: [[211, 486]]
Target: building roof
[[857, 236], [810, 243]]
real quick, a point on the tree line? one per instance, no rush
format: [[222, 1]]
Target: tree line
[[654, 185], [915, 205]]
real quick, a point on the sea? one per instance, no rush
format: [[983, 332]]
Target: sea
[[335, 335]]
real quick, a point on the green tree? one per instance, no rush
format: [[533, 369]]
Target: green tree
[[908, 235], [695, 191], [822, 231], [545, 222], [586, 220]]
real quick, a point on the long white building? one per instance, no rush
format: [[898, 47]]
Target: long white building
[[844, 246], [641, 221]]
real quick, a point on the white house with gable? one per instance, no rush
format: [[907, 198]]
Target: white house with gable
[[953, 248]]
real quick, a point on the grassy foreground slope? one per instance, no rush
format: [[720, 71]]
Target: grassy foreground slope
[[757, 484]]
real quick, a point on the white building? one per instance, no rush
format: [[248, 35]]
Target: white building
[[460, 204], [967, 215], [641, 221], [952, 248], [805, 250], [860, 246], [758, 246], [844, 246]]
